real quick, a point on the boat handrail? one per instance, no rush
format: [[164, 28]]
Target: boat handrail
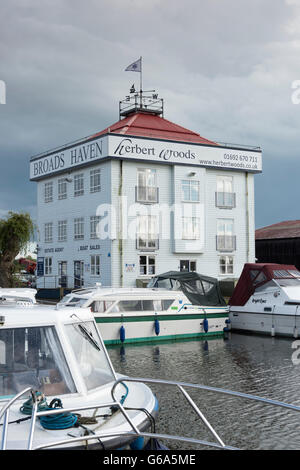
[[218, 443]]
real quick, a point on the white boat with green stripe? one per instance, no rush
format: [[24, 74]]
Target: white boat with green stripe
[[136, 315]]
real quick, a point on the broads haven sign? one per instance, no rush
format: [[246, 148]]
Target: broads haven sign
[[115, 146]]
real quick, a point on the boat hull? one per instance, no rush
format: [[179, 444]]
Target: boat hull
[[132, 328], [265, 323]]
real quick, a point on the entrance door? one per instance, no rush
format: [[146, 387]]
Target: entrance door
[[78, 274], [62, 272]]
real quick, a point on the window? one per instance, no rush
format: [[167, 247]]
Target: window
[[95, 185], [90, 351], [147, 265], [79, 185], [62, 188], [49, 232], [95, 265], [79, 228], [48, 192], [226, 241], [62, 230], [33, 357], [226, 264], [190, 228], [225, 197], [146, 190], [48, 266], [147, 232], [190, 190], [94, 220], [187, 265]]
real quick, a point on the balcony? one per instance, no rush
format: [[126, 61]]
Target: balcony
[[225, 200], [226, 243]]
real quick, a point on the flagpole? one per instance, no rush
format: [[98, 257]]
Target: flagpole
[[141, 84]]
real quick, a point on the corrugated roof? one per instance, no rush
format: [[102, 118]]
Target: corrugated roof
[[150, 125], [286, 229]]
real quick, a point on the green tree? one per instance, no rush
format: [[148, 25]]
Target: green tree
[[16, 231]]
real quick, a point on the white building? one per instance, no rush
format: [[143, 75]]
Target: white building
[[143, 197]]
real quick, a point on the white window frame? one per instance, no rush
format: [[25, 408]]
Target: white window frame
[[79, 228], [148, 266], [48, 192], [79, 184], [62, 188], [62, 231], [189, 261], [226, 240], [189, 183], [95, 180], [148, 191], [48, 265], [48, 232], [225, 195], [95, 265], [191, 228], [228, 264], [94, 221], [147, 232]]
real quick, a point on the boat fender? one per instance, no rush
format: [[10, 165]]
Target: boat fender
[[156, 327], [205, 325], [138, 443], [295, 332], [273, 331], [122, 334]]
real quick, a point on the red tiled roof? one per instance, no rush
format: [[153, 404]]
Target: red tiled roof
[[287, 229], [150, 125]]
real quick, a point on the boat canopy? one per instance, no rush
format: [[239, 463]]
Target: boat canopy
[[199, 289], [255, 275]]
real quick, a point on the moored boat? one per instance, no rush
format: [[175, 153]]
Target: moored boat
[[131, 315], [53, 361], [266, 300]]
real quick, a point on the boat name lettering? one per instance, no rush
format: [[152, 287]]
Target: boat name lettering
[[260, 301]]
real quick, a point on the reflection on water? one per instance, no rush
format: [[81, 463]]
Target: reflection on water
[[246, 363]]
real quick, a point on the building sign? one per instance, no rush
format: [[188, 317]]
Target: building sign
[[67, 158], [134, 148], [182, 153]]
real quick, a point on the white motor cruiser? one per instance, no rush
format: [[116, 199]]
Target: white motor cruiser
[[56, 383], [266, 300], [134, 315]]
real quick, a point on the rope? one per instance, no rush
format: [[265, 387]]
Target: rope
[[59, 421]]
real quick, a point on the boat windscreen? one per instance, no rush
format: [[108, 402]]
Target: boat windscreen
[[33, 357], [90, 355]]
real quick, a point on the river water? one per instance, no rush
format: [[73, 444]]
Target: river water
[[259, 365]]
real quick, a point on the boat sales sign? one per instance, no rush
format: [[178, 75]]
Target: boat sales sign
[[135, 148]]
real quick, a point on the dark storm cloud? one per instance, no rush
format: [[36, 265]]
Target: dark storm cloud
[[224, 68]]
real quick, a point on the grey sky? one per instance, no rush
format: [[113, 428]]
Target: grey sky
[[224, 68]]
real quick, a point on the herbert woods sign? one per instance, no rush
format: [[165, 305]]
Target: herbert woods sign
[[134, 148]]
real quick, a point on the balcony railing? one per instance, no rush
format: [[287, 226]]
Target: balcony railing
[[225, 200], [226, 242], [147, 243]]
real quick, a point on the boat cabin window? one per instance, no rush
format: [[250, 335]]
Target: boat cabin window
[[90, 354], [145, 305], [170, 284], [101, 306], [33, 357], [72, 301], [260, 278], [294, 273]]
